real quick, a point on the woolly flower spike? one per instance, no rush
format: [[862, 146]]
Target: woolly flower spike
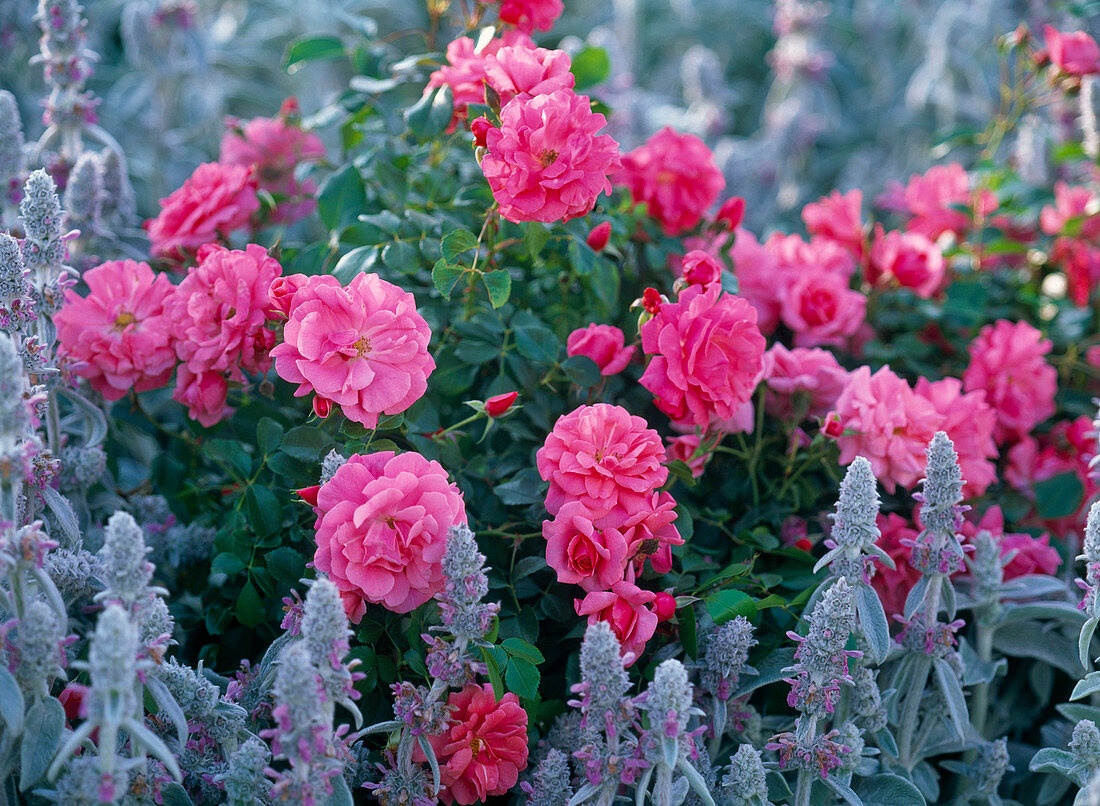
[[119, 206], [991, 766], [40, 212], [325, 632], [550, 785], [13, 162], [943, 485], [867, 707], [1085, 745], [16, 305], [244, 781], [725, 652], [112, 664], [125, 571], [1090, 604], [668, 700], [332, 462], [39, 649], [851, 544], [604, 681], [822, 660], [464, 615], [744, 783], [84, 194]]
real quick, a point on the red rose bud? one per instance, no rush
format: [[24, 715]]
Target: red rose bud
[[732, 212], [832, 426], [665, 606], [480, 127], [309, 494], [322, 406], [699, 268], [599, 236], [803, 544], [651, 301], [72, 700], [290, 108], [497, 405]]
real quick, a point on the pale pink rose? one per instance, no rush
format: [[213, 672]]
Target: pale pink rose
[[382, 523], [603, 344], [931, 200], [1080, 261], [518, 69], [582, 552], [969, 421], [117, 335], [603, 456], [890, 425], [1007, 360], [683, 449], [218, 318], [837, 217], [465, 73], [1072, 203], [760, 277], [204, 394], [893, 585], [675, 176], [909, 259], [818, 255], [363, 347], [529, 15], [650, 533], [1033, 555], [546, 162], [274, 148], [484, 748], [214, 202], [699, 268], [628, 610], [820, 308], [1075, 53], [707, 354], [802, 381]]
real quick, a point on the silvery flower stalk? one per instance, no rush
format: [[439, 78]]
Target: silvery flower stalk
[[724, 658], [745, 783], [84, 201], [13, 160], [66, 66], [821, 669], [550, 784], [245, 783], [325, 634], [1090, 604]]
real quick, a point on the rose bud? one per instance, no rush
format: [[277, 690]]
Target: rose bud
[[498, 404], [480, 127], [599, 236], [665, 606], [731, 213]]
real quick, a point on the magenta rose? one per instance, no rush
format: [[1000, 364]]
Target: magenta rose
[[604, 344]]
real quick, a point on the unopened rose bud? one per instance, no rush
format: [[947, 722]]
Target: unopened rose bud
[[832, 427], [804, 544], [599, 236], [664, 606], [651, 301], [480, 127], [309, 494], [731, 213], [497, 405], [322, 407]]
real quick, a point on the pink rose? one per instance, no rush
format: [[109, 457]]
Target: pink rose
[[650, 534], [821, 309], [382, 524], [603, 344], [117, 335], [602, 456], [281, 293], [599, 236], [546, 162], [909, 259], [969, 421], [760, 277], [484, 747], [699, 268], [363, 347], [465, 73], [731, 213], [518, 69], [893, 585], [582, 553], [931, 199], [675, 176], [204, 394], [683, 449], [214, 202], [628, 610], [805, 382], [707, 354], [1072, 204], [528, 15], [1007, 360], [1033, 555], [1080, 261], [1075, 53], [818, 255], [837, 217]]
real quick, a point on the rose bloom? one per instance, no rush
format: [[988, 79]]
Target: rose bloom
[[819, 255], [650, 533], [891, 426], [837, 217], [683, 449], [675, 176], [218, 318], [546, 162], [893, 586], [802, 381], [760, 278], [274, 148], [382, 523], [1080, 261], [628, 610], [465, 73], [699, 268], [1072, 202], [216, 200], [969, 421], [1075, 53], [931, 198], [603, 456], [582, 552], [484, 747], [603, 344], [909, 259], [1007, 360], [528, 15], [117, 335], [363, 347], [1034, 555], [707, 354], [519, 69], [821, 309]]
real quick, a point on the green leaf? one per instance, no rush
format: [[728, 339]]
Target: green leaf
[[582, 370], [357, 261], [445, 276], [307, 443], [11, 703], [268, 435], [456, 242], [872, 620], [887, 789], [499, 284], [340, 796], [523, 489], [689, 637], [286, 564], [591, 66], [493, 671], [842, 789], [342, 198], [1050, 759], [523, 678], [311, 49], [534, 340], [172, 794], [535, 238], [250, 609], [1059, 496], [401, 256], [265, 510], [518, 648], [429, 116], [227, 563], [726, 604], [40, 745], [952, 696], [1089, 685]]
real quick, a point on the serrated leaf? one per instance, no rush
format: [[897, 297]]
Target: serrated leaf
[[535, 238], [522, 678], [493, 672], [582, 370], [726, 604], [265, 510], [286, 563], [534, 340], [499, 285], [40, 745], [872, 621], [456, 242], [268, 435], [306, 443], [518, 648], [227, 563], [445, 276]]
